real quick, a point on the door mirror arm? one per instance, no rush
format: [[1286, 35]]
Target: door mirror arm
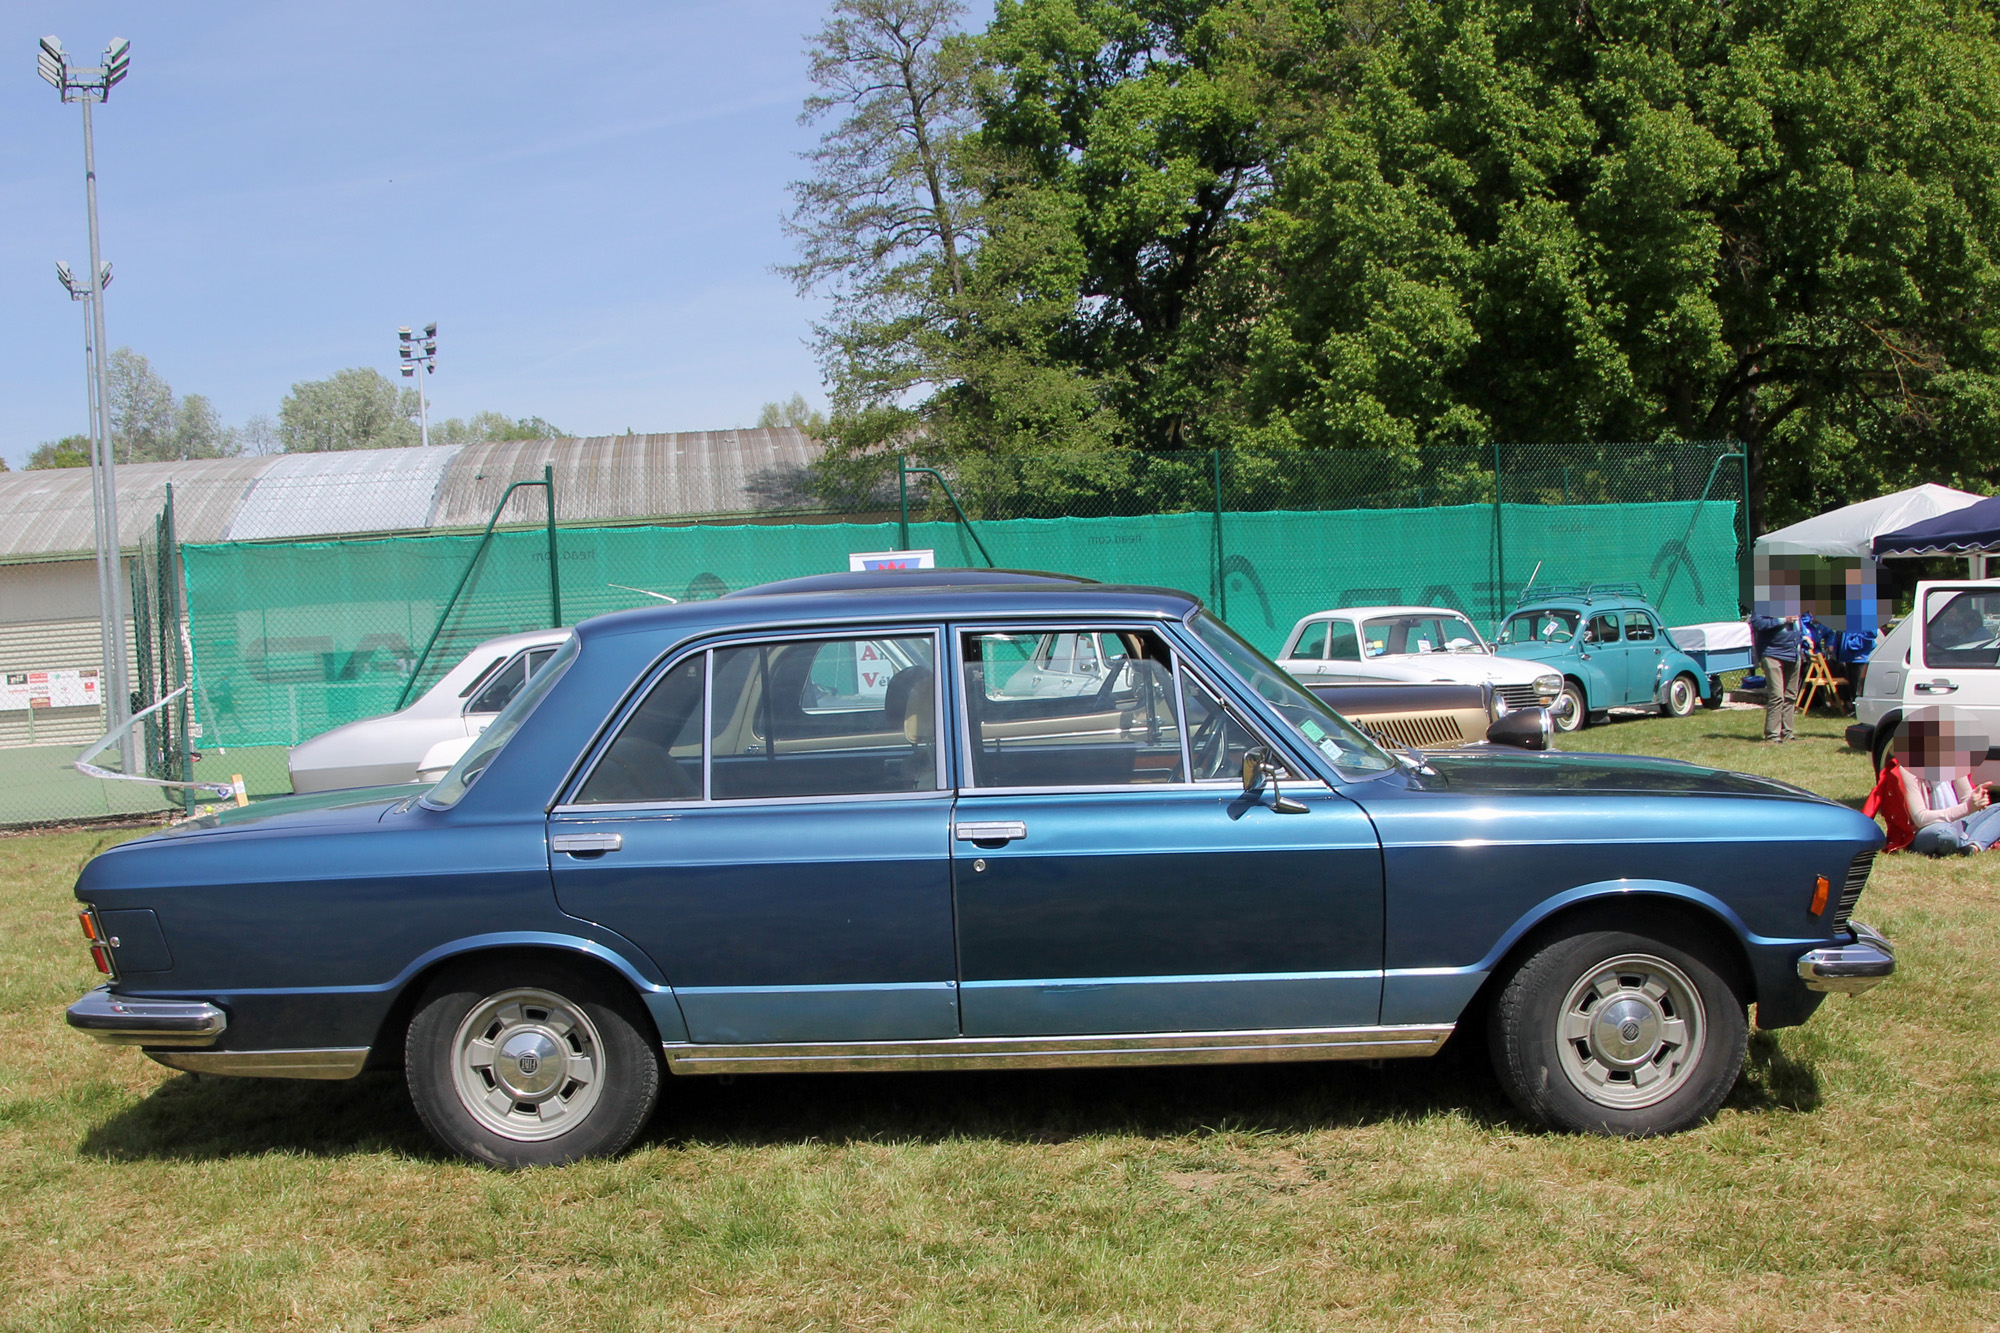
[[1258, 767]]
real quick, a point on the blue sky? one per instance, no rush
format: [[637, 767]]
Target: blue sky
[[586, 198]]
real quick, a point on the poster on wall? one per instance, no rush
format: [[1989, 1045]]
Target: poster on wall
[[22, 690]]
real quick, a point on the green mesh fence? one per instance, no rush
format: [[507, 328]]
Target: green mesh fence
[[291, 638]]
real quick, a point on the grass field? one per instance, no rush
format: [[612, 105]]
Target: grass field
[[1853, 1180]]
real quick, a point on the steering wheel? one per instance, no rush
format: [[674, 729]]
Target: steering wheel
[[1207, 745], [1101, 701]]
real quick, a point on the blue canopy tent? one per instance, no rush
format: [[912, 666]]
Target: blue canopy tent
[[1972, 532]]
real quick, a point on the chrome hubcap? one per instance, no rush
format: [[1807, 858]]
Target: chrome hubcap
[[1630, 1031], [527, 1064]]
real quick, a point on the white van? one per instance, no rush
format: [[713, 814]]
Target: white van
[[1946, 651]]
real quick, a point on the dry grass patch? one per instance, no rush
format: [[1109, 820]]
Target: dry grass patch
[[1853, 1180]]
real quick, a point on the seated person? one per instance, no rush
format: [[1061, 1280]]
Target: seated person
[[1936, 815]]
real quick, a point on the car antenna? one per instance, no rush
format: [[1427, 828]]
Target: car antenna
[[644, 593]]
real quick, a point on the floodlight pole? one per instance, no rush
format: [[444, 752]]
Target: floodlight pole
[[106, 558], [87, 87], [419, 352]]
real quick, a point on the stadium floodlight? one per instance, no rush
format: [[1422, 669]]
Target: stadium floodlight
[[419, 352], [88, 87]]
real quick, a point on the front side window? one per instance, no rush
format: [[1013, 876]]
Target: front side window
[[1602, 629], [1343, 744], [1217, 738], [1539, 627], [785, 718], [1023, 732], [1962, 629], [452, 786]]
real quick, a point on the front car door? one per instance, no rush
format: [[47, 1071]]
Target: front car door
[[1955, 662], [769, 822], [1110, 875], [1603, 660]]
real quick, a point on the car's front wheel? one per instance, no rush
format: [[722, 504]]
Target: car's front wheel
[[1682, 696], [531, 1063], [1575, 714], [1615, 1032]]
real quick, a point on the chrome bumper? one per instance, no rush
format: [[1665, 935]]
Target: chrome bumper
[[133, 1022], [1849, 969]]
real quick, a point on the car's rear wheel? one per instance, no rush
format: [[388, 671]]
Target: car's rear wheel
[[1576, 716], [1682, 695], [518, 1063], [1614, 1032]]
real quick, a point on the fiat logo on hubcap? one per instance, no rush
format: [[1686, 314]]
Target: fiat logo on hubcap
[[530, 1062]]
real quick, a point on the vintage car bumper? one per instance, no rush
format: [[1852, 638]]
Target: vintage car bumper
[[132, 1022], [1849, 969]]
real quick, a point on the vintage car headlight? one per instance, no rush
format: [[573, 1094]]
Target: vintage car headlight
[[1548, 687]]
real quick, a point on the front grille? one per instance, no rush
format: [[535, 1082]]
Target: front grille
[[1519, 696], [1850, 892], [1424, 731]]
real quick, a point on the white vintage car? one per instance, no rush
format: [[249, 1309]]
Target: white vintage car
[[1410, 645], [429, 735]]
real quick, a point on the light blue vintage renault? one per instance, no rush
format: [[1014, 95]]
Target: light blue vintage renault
[[811, 827], [1611, 648]]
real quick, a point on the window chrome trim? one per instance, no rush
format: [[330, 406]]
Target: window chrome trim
[[608, 732], [633, 808]]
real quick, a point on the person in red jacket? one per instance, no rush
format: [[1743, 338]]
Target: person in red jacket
[[1933, 807]]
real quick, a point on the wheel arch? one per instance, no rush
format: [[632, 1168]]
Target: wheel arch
[[386, 1051], [1625, 905], [1885, 733]]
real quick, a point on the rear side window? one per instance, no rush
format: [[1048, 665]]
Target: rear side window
[[785, 718], [1638, 626], [1962, 629], [1117, 727], [1343, 644]]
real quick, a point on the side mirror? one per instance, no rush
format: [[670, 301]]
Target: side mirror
[[1528, 729], [1257, 766]]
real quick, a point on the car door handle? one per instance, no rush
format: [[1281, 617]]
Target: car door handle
[[1935, 687], [1003, 830], [586, 844]]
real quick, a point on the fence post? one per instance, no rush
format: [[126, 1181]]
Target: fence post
[[555, 576], [1219, 588], [172, 611], [1499, 541], [1745, 576], [903, 497]]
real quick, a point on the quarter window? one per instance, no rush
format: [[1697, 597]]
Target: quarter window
[[1962, 629], [1034, 727], [1217, 738]]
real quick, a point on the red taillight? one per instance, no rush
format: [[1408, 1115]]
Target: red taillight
[[100, 953]]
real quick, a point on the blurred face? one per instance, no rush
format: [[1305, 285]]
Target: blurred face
[[1940, 747]]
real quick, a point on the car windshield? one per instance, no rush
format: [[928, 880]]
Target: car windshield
[[1416, 632], [1345, 745], [1552, 626], [472, 763]]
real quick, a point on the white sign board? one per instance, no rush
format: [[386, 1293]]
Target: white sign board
[[860, 561], [21, 690]]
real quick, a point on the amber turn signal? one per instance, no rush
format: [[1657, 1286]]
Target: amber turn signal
[[84, 919], [1820, 888]]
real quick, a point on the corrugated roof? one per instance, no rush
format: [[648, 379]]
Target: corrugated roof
[[45, 514]]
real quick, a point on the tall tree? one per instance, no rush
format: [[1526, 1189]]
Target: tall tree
[[357, 408], [69, 451], [150, 424], [885, 219]]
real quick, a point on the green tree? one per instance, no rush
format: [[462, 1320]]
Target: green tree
[[795, 412], [69, 451], [883, 222], [357, 408], [150, 424], [491, 427]]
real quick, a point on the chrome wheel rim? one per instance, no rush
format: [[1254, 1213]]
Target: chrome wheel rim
[[527, 1064], [1630, 1031]]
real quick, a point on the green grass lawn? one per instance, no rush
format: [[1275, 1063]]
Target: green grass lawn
[[1852, 1181]]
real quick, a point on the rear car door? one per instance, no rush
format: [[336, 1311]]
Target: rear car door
[[1644, 655], [769, 821], [1110, 876]]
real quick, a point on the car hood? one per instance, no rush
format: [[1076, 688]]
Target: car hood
[[1559, 773], [1425, 668], [1537, 652]]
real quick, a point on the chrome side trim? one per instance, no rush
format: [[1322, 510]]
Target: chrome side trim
[[127, 1021], [1130, 1049], [1849, 969], [333, 1063]]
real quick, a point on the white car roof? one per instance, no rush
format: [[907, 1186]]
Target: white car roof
[[1371, 612], [481, 657]]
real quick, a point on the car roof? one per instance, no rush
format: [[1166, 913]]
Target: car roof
[[879, 579], [882, 596], [1371, 611], [1618, 602]]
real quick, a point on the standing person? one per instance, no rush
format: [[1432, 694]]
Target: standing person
[[1781, 647]]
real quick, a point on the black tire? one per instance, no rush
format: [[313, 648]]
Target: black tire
[[1634, 1063], [520, 1017], [1577, 716], [1713, 699], [1683, 693]]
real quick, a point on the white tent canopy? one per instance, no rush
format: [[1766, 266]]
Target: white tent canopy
[[1849, 531]]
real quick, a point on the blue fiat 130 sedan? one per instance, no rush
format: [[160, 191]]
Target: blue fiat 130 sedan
[[827, 825]]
